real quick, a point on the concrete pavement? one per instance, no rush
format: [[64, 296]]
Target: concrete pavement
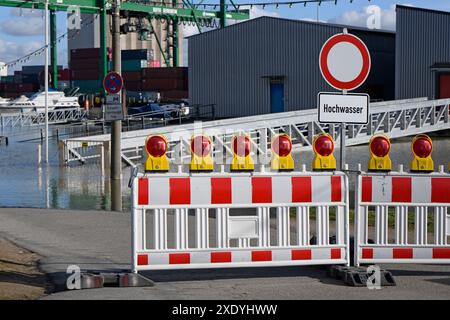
[[100, 241]]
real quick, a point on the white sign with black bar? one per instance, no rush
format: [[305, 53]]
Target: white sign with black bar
[[113, 107], [351, 108]]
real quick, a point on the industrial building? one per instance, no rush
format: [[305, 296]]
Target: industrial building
[[271, 65], [422, 53]]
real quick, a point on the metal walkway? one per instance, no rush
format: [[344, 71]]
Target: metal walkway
[[27, 119], [395, 118]]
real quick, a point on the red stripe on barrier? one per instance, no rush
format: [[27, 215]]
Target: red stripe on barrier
[[218, 257], [367, 253], [221, 190], [301, 189], [402, 253], [143, 191], [441, 253], [299, 254], [180, 190], [179, 258], [366, 195], [262, 255], [401, 189], [335, 253], [336, 195], [142, 260], [440, 190], [261, 189]]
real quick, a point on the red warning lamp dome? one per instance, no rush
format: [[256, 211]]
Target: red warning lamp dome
[[422, 147], [380, 146], [324, 145], [201, 146], [242, 146], [282, 145], [156, 146]]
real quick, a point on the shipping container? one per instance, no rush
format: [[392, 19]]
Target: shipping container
[[81, 64], [85, 53], [163, 84], [174, 94], [131, 76], [88, 86], [137, 54], [87, 74], [134, 65], [133, 85], [165, 73]]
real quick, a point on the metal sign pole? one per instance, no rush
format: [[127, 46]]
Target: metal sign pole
[[46, 80], [116, 126]]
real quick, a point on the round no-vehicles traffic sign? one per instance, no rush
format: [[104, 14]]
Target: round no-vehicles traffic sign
[[344, 61], [113, 83]]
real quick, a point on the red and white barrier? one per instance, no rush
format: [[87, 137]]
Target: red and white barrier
[[402, 195], [185, 220]]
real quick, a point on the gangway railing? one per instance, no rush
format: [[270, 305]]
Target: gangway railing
[[395, 118], [33, 118]]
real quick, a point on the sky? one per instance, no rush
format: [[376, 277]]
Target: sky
[[22, 31]]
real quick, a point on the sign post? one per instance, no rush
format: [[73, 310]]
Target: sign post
[[345, 63], [113, 84]]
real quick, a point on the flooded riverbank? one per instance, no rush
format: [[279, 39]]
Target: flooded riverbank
[[25, 183]]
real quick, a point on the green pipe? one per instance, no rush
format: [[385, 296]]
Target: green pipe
[[53, 50], [223, 14], [176, 43], [103, 39]]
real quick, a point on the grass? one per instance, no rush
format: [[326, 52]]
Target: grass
[[371, 216]]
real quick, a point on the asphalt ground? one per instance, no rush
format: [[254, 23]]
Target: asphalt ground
[[100, 241]]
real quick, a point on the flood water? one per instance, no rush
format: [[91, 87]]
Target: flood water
[[25, 183]]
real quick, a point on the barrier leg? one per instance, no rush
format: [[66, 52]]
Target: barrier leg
[[283, 227], [420, 225], [264, 226], [222, 227], [181, 228], [202, 225], [401, 225], [302, 226]]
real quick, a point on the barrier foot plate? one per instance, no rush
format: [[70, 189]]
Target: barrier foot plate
[[359, 276], [125, 279]]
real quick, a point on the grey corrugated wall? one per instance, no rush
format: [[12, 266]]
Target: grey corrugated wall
[[228, 66], [423, 38]]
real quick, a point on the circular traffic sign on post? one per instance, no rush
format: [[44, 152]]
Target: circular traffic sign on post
[[344, 61], [113, 83]]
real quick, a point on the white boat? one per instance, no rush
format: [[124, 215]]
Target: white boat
[[36, 103], [4, 102]]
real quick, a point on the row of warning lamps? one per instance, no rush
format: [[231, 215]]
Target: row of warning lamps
[[323, 146]]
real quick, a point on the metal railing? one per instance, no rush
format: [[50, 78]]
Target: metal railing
[[33, 118], [395, 118]]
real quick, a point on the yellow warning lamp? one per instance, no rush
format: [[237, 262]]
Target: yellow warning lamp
[[379, 146], [421, 147], [281, 153], [201, 149], [323, 146], [242, 161], [156, 147]]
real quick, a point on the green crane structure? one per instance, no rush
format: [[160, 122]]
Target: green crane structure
[[173, 11]]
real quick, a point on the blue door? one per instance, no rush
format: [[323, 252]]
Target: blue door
[[276, 97]]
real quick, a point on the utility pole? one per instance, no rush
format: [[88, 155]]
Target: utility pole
[[46, 80], [116, 126], [53, 50]]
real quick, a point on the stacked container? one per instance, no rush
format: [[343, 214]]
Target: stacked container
[[132, 63], [172, 83], [86, 69]]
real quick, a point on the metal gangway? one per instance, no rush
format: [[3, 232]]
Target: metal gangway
[[34, 118], [397, 118]]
